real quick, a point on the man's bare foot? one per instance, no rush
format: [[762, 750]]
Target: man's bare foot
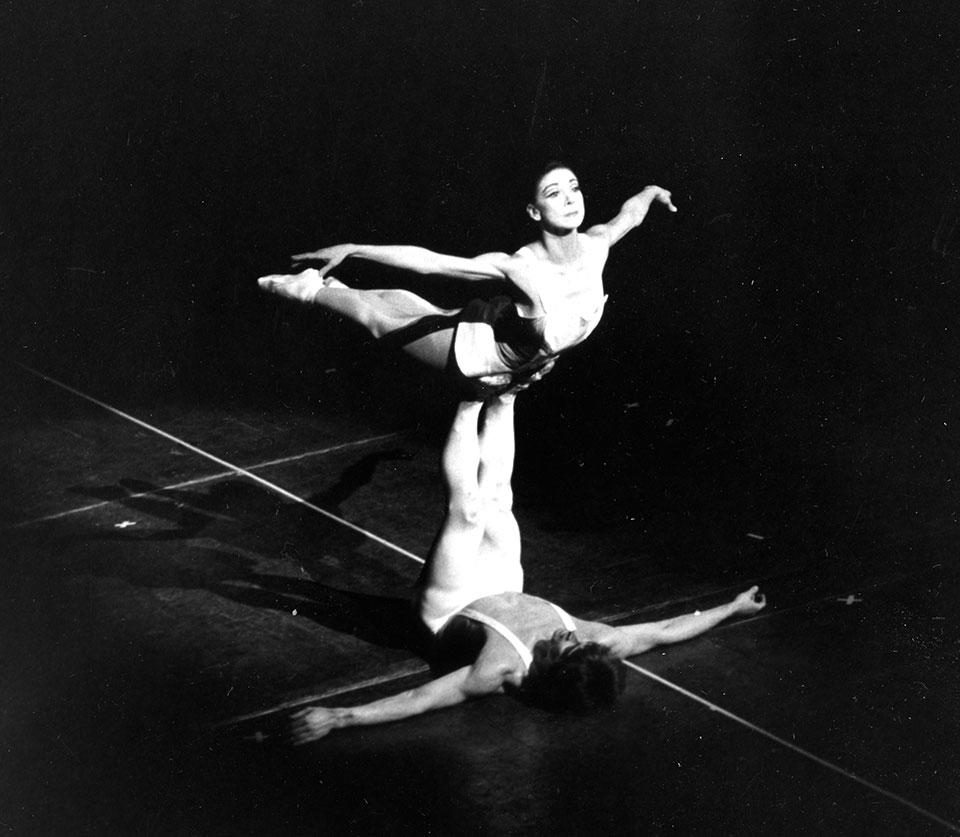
[[522, 382], [543, 370], [484, 387], [303, 286], [494, 381]]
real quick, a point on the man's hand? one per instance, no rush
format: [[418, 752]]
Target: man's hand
[[750, 601], [313, 723]]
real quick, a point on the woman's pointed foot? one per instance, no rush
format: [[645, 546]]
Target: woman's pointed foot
[[303, 286]]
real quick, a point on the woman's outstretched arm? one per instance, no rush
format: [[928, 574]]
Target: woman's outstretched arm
[[415, 259], [635, 639], [631, 214]]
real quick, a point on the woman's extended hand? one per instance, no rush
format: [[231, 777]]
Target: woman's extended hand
[[635, 209], [655, 193], [312, 723], [331, 255], [750, 601]]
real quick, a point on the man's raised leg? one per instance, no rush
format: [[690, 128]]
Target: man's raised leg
[[500, 547], [451, 565]]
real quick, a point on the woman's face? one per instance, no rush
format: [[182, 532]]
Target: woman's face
[[558, 202]]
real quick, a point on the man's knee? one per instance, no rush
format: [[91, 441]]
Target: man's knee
[[498, 497], [467, 508]]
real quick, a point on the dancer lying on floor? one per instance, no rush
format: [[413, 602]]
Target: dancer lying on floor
[[489, 636], [552, 296]]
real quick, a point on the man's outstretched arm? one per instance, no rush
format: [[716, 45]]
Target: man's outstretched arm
[[458, 686], [635, 639]]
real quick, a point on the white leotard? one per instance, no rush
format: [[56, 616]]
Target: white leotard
[[524, 653]]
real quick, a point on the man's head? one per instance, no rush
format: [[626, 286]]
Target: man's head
[[570, 675]]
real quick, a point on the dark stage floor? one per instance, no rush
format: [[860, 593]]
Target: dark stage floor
[[162, 608]]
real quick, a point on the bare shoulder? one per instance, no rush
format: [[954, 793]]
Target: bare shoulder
[[588, 631], [599, 235], [495, 665], [496, 260], [531, 252], [523, 264]]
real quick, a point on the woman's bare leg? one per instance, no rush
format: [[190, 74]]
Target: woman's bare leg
[[380, 312]]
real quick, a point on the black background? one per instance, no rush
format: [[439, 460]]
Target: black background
[[757, 346]]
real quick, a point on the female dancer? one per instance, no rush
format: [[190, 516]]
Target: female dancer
[[553, 289], [489, 636]]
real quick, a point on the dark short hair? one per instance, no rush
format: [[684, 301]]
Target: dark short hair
[[581, 678], [541, 172]]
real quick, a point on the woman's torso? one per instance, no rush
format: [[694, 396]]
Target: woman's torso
[[563, 302]]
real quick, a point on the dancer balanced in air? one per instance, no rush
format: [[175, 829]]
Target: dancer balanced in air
[[552, 296]]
